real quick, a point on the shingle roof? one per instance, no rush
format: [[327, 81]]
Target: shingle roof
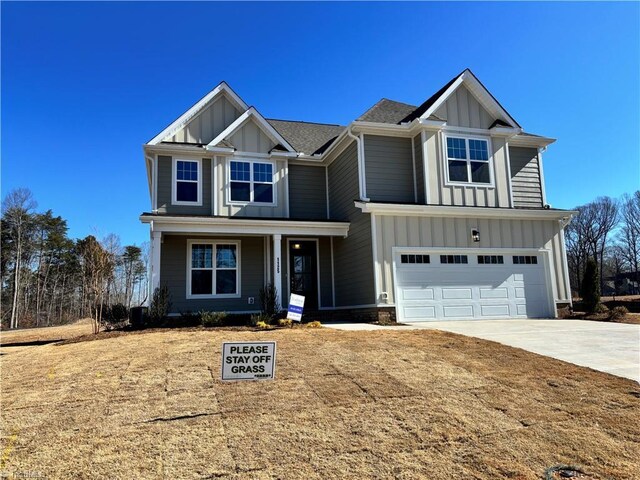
[[429, 101], [387, 111], [307, 137]]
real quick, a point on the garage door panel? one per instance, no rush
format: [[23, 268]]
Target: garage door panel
[[446, 291], [417, 293]]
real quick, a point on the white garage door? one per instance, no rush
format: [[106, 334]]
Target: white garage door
[[459, 286]]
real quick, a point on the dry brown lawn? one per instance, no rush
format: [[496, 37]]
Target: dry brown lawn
[[17, 340], [381, 404]]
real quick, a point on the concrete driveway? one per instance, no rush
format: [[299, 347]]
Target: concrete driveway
[[608, 347]]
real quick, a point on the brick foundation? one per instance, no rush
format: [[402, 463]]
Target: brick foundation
[[356, 315]]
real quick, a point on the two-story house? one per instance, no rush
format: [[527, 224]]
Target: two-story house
[[427, 212]]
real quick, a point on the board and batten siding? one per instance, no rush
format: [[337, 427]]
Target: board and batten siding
[[307, 192], [165, 179], [388, 169], [221, 190], [251, 138], [352, 256], [208, 124], [173, 271], [462, 109], [462, 195], [414, 231], [525, 177]]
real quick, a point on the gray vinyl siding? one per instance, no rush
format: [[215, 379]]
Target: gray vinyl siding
[[307, 192], [165, 179], [525, 177], [173, 274], [352, 256], [403, 231], [463, 110], [417, 151], [389, 169], [208, 124]]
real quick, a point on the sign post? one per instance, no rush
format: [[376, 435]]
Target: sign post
[[296, 306], [248, 360]]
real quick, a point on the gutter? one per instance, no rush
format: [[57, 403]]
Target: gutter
[[362, 187]]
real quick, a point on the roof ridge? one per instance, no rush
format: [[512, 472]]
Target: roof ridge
[[304, 121]]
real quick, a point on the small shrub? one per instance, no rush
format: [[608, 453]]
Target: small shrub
[[160, 306], [600, 308], [589, 289], [119, 312], [314, 324], [258, 318], [263, 325], [618, 313], [212, 319], [285, 322], [114, 316], [269, 300], [186, 319]]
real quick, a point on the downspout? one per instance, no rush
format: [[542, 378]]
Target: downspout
[[361, 180]]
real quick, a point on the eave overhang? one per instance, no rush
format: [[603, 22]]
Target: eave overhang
[[243, 226], [466, 212]]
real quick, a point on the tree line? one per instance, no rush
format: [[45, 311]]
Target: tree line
[[606, 231], [50, 279]]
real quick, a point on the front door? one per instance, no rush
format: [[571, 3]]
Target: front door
[[303, 273]]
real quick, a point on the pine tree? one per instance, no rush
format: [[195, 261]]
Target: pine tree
[[589, 290]]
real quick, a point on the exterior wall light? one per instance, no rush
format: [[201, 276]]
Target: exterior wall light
[[475, 235], [296, 246]]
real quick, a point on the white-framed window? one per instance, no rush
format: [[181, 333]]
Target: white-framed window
[[187, 182], [251, 181], [213, 269], [468, 160]]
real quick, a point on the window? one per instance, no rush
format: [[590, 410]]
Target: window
[[468, 160], [415, 259], [453, 259], [525, 260], [490, 260], [213, 269], [251, 182], [186, 174]]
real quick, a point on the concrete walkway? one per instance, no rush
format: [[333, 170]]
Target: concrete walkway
[[608, 347]]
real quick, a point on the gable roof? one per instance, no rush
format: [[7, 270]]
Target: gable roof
[[307, 137], [222, 89], [387, 111]]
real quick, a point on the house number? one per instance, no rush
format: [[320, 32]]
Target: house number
[[278, 265]]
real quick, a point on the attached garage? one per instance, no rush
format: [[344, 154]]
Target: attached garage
[[458, 284]]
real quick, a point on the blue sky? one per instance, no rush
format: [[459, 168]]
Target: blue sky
[[84, 85]]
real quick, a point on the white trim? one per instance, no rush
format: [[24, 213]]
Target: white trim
[[213, 242], [509, 186], [246, 226], [249, 159], [443, 98], [544, 252], [541, 175], [286, 189], [362, 163], [333, 276], [376, 264], [413, 164], [288, 274], [156, 246], [534, 141], [214, 191], [154, 206], [174, 180], [470, 183], [425, 167], [565, 264], [472, 212], [262, 123], [277, 267], [196, 108]]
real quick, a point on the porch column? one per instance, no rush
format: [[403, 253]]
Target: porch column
[[277, 262], [156, 242]]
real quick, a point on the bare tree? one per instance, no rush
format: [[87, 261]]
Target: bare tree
[[17, 208]]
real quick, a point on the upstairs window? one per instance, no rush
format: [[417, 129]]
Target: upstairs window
[[251, 182], [468, 160], [186, 185]]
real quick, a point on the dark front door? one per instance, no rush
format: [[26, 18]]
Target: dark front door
[[303, 273]]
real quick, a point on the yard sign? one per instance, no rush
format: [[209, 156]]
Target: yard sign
[[296, 305], [248, 360]]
